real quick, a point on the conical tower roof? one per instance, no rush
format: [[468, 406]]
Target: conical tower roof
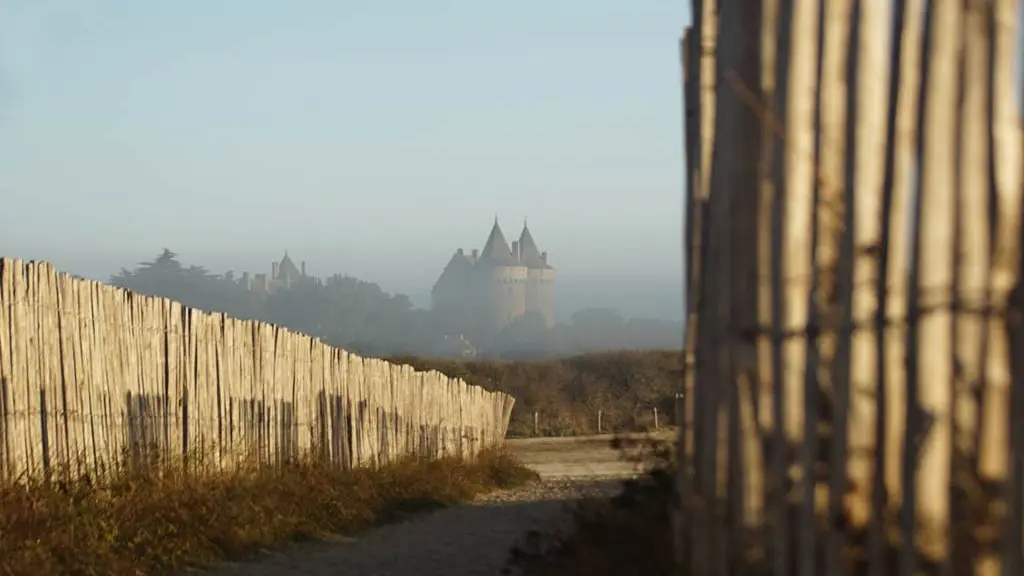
[[287, 267], [529, 254], [496, 250]]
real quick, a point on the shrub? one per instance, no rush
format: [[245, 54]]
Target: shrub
[[568, 392]]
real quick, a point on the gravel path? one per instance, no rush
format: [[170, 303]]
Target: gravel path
[[468, 540]]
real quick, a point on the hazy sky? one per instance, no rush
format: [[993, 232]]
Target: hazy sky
[[371, 138], [368, 138]]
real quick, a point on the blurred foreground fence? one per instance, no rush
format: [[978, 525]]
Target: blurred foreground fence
[[93, 377], [855, 397]]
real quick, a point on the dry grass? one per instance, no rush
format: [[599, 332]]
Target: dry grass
[[567, 392], [148, 525]]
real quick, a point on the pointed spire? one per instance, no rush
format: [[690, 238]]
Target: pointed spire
[[529, 253], [288, 268], [496, 249]]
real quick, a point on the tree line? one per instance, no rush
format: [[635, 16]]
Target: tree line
[[359, 316]]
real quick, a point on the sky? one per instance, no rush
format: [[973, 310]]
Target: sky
[[368, 138]]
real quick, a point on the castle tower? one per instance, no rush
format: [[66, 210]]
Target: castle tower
[[540, 278], [286, 272], [453, 291], [480, 293], [499, 283]]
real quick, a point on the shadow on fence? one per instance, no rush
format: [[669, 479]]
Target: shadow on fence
[[93, 378], [853, 238]]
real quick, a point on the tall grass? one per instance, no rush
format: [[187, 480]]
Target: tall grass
[[160, 523]]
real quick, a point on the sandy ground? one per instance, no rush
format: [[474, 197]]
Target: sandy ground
[[468, 540], [578, 458]]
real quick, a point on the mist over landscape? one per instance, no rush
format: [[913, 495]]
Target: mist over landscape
[[278, 276], [369, 142], [397, 288], [657, 296]]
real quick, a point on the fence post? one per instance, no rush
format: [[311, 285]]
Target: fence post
[[536, 426], [600, 413], [655, 417]]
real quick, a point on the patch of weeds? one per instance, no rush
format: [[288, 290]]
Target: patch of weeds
[[160, 524]]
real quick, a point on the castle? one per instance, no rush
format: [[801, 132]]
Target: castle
[[476, 295], [283, 274], [482, 292]]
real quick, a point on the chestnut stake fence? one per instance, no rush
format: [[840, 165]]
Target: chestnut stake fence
[[93, 377], [854, 399]]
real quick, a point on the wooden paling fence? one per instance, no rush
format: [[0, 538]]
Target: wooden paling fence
[[854, 400], [93, 378]]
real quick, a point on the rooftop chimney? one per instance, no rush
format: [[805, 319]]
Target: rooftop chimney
[[303, 267], [459, 252], [476, 253], [544, 257]]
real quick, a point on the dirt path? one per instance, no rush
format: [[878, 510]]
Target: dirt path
[[579, 457], [468, 540]]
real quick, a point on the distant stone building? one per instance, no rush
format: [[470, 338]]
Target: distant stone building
[[283, 274], [484, 291]]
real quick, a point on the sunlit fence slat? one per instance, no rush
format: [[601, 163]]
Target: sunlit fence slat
[[855, 301], [93, 378]]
